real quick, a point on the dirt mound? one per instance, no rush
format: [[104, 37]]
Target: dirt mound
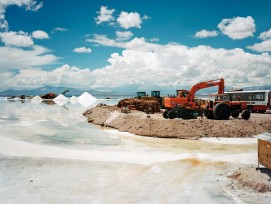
[[259, 180], [155, 125]]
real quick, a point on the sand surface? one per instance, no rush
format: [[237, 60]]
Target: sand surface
[[154, 125]]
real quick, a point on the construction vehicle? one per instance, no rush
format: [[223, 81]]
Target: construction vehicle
[[143, 102], [64, 92], [184, 105], [219, 107], [141, 94]]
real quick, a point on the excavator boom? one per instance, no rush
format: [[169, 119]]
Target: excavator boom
[[187, 97], [203, 85]]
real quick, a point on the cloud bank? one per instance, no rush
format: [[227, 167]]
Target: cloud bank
[[170, 65]]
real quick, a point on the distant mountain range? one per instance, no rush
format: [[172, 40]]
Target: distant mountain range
[[252, 88], [51, 89], [123, 91]]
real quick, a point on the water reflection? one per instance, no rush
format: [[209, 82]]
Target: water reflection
[[49, 123]]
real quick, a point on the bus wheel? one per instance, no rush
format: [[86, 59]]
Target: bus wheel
[[245, 114], [250, 109], [235, 114]]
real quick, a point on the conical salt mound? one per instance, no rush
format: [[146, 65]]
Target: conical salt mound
[[86, 99], [73, 99], [61, 100], [37, 99], [61, 97]]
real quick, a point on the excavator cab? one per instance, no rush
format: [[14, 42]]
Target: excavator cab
[[182, 93]]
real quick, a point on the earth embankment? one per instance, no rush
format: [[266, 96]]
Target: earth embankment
[[154, 125]]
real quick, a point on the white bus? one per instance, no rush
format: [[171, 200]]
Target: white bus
[[257, 101]]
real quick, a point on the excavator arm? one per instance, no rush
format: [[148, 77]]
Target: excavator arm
[[203, 85]]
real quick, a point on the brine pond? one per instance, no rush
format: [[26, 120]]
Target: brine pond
[[50, 154]]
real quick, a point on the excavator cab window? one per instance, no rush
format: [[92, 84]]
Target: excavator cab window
[[185, 94]]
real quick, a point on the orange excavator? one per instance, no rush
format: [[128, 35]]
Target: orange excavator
[[187, 98], [184, 105]]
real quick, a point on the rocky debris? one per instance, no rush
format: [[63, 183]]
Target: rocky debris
[[137, 123], [266, 124], [49, 96], [101, 105], [258, 180], [125, 110]]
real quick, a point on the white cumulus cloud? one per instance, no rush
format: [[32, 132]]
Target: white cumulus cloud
[[265, 45], [18, 58], [39, 34], [29, 4], [105, 15], [129, 20], [82, 50], [238, 28], [65, 76], [265, 35], [103, 40], [19, 39], [205, 34], [125, 35], [172, 63]]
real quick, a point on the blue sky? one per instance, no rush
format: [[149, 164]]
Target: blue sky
[[134, 43]]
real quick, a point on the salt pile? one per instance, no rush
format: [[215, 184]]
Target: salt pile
[[73, 100], [86, 99], [61, 100], [37, 99]]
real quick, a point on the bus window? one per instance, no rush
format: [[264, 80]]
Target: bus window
[[247, 96], [225, 97], [258, 96]]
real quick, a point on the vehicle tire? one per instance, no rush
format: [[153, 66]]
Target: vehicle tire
[[171, 114], [250, 109], [186, 114], [245, 114], [235, 114], [165, 114], [222, 111], [209, 114]]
